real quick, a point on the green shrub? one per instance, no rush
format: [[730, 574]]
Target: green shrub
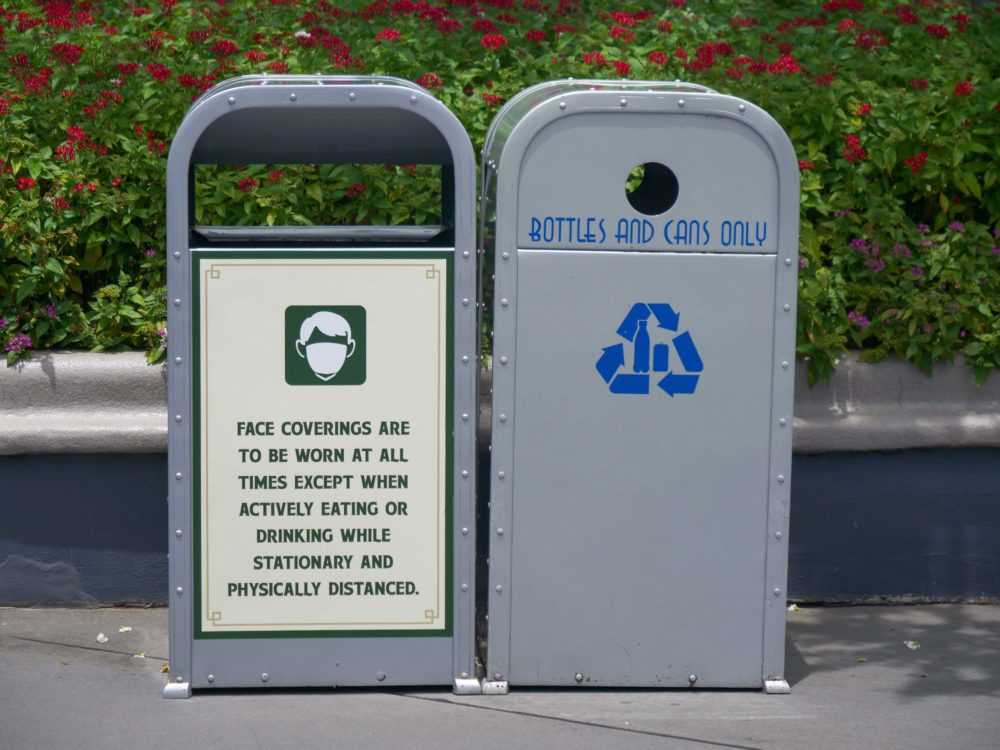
[[894, 110]]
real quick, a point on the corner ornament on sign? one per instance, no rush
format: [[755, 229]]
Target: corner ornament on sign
[[629, 368]]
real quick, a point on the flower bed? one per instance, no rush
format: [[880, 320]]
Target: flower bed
[[894, 109]]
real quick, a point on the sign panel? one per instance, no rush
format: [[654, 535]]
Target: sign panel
[[321, 483]]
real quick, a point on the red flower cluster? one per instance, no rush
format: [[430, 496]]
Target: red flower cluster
[[657, 58], [493, 41], [25, 183], [595, 58], [853, 151], [224, 48], [492, 100], [833, 5], [389, 35], [863, 109], [160, 72], [255, 55], [916, 162], [67, 54], [963, 89], [484, 26], [622, 68], [620, 32], [622, 18], [247, 184], [664, 26], [430, 81], [906, 15], [536, 36], [742, 22], [919, 84], [936, 29], [355, 190], [805, 164]]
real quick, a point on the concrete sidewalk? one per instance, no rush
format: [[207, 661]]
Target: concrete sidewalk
[[855, 684]]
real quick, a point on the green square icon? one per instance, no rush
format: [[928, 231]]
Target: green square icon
[[325, 345]]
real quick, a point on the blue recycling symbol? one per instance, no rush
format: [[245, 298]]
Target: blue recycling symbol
[[649, 358]]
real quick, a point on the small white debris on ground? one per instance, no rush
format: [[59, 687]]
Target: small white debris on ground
[[102, 639], [912, 645], [125, 629]]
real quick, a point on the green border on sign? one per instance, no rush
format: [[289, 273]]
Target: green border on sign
[[449, 500]]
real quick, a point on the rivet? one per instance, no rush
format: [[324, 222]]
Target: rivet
[[380, 676], [464, 676], [501, 474], [177, 418], [786, 307], [503, 360], [781, 478], [497, 676], [264, 676], [292, 97], [211, 678], [503, 417], [562, 105], [178, 533], [177, 360], [778, 535], [465, 587], [784, 365], [788, 261], [178, 475], [177, 253], [465, 417], [465, 358], [177, 303], [499, 589], [578, 677], [465, 301], [743, 108], [782, 421], [680, 102], [178, 678], [352, 96], [505, 255], [500, 532], [413, 99], [776, 592], [180, 590], [232, 100], [504, 302], [623, 103], [692, 678], [465, 531], [465, 474], [465, 253]]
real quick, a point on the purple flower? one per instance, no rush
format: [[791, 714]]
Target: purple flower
[[923, 228], [859, 245], [857, 319], [928, 329], [961, 333], [901, 249], [996, 232], [162, 333], [917, 271], [803, 263], [18, 343], [150, 252], [874, 264], [996, 249], [957, 226], [51, 311], [3, 324], [840, 213]]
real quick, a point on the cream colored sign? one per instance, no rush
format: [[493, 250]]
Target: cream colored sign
[[322, 501]]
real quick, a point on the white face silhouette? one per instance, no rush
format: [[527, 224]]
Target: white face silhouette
[[325, 358]]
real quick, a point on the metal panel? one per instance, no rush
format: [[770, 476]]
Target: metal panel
[[639, 495], [223, 126]]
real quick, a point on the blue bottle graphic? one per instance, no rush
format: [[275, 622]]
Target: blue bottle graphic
[[640, 358]]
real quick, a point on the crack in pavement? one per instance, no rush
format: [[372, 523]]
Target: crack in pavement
[[578, 722], [85, 648]]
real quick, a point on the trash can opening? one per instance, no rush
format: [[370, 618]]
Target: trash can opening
[[651, 188]]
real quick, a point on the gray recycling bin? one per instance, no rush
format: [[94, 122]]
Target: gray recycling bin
[[321, 382], [644, 238]]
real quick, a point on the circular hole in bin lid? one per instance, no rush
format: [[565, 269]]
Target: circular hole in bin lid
[[652, 188]]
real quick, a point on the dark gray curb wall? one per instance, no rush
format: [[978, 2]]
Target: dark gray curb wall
[[895, 482]]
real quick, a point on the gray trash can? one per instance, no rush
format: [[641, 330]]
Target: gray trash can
[[644, 239], [321, 382]]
